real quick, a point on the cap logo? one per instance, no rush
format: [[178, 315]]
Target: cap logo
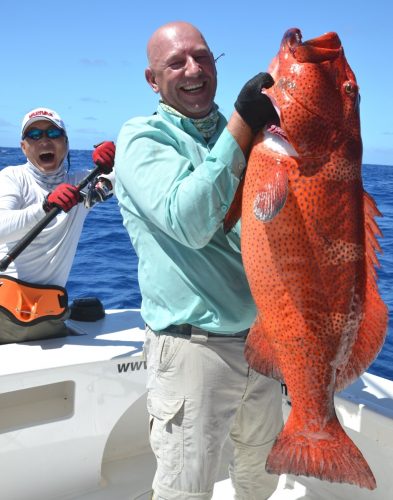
[[40, 113]]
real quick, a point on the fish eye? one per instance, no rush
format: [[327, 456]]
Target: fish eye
[[349, 87]]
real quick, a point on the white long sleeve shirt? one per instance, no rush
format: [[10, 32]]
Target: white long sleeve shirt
[[48, 258]]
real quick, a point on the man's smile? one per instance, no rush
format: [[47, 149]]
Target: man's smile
[[193, 88]]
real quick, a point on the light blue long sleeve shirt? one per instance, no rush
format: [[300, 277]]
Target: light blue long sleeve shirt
[[174, 189]]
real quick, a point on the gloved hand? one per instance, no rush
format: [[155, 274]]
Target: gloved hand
[[253, 106], [104, 156], [64, 196]]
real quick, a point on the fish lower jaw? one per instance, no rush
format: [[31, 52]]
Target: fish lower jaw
[[278, 144]]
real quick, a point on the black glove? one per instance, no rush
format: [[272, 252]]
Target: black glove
[[254, 107]]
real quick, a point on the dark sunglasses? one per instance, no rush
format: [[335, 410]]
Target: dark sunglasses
[[37, 133]]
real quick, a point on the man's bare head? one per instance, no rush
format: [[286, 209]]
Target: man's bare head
[[170, 31], [182, 68]]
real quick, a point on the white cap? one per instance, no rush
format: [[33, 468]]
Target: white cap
[[42, 114]]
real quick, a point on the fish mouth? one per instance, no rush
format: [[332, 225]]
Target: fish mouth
[[326, 47]]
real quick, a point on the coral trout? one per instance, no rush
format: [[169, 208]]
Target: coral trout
[[309, 247]]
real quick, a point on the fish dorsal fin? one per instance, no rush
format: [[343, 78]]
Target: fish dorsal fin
[[372, 330], [371, 231]]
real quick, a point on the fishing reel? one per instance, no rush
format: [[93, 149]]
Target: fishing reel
[[98, 190]]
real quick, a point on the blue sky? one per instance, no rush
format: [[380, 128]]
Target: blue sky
[[86, 58]]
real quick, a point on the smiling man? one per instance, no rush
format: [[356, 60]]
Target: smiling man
[[27, 193], [182, 69], [176, 174]]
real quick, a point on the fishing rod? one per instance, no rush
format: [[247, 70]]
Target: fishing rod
[[35, 231]]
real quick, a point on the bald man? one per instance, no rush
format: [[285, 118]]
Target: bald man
[[176, 174]]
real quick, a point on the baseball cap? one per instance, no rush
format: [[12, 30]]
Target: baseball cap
[[42, 114]]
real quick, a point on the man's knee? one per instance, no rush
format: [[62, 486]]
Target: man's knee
[[249, 478]]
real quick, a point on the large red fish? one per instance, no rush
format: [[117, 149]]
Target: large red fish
[[309, 249]]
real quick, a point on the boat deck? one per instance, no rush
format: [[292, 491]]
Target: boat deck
[[73, 421]]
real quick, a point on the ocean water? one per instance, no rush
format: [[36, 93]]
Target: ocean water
[[105, 264]]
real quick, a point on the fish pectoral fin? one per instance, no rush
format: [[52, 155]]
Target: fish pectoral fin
[[271, 197]]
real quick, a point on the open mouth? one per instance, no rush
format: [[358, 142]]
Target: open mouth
[[47, 157], [323, 48]]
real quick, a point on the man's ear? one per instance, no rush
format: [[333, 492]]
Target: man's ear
[[23, 147], [151, 80]]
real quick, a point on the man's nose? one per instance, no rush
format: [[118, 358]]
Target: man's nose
[[193, 67]]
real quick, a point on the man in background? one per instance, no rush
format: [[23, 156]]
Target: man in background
[[27, 193]]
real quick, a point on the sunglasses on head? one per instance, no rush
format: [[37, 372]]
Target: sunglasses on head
[[37, 133]]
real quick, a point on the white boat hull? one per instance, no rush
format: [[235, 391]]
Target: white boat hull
[[73, 421]]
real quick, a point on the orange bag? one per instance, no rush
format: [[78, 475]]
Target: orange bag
[[27, 304]]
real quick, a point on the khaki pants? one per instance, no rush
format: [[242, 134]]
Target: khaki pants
[[200, 391], [11, 332]]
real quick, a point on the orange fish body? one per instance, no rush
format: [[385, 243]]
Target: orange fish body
[[308, 245]]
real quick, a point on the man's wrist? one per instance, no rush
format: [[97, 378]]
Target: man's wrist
[[241, 132]]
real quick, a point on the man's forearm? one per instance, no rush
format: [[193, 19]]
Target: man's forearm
[[241, 132]]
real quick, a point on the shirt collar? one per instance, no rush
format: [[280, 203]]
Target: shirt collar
[[207, 126]]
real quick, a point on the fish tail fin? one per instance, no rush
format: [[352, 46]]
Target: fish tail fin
[[259, 353], [372, 330], [329, 455]]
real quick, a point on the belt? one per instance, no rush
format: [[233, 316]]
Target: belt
[[187, 329]]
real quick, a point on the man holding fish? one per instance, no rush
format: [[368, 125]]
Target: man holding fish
[[176, 174]]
